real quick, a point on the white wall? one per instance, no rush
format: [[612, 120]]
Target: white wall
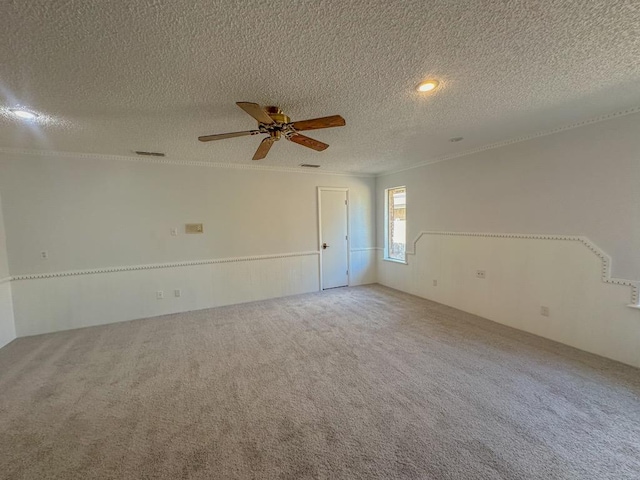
[[260, 236], [7, 326], [583, 181], [578, 182]]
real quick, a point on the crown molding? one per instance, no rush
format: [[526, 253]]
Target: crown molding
[[264, 168], [524, 138], [169, 161], [605, 271], [129, 268]]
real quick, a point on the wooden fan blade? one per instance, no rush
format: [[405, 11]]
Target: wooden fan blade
[[263, 148], [208, 138], [308, 142], [256, 111], [323, 122]]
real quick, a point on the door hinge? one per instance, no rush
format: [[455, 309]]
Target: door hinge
[[345, 202], [346, 237], [347, 272]]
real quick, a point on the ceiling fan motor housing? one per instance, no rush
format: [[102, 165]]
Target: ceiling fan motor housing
[[277, 115], [280, 118]]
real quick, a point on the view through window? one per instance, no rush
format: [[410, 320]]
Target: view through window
[[396, 223]]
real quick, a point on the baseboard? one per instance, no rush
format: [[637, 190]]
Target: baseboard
[[567, 274], [46, 303]]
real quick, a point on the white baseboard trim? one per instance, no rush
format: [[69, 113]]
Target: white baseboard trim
[[604, 257], [524, 276], [64, 300]]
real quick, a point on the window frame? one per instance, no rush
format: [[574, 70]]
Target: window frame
[[386, 256]]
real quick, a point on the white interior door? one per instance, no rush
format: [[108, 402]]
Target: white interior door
[[334, 240]]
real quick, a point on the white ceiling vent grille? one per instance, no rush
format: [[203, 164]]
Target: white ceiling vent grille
[[150, 154]]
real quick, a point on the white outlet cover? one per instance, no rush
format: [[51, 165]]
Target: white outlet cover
[[159, 294], [174, 232], [177, 293]]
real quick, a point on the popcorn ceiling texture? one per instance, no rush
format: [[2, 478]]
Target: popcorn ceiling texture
[[113, 77]]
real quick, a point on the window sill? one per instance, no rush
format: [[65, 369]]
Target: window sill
[[393, 260]]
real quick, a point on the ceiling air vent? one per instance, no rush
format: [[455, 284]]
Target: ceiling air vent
[[150, 154], [309, 165]]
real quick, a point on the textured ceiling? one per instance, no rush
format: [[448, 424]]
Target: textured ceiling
[[112, 77]]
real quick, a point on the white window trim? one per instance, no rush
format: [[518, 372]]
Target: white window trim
[[385, 255]]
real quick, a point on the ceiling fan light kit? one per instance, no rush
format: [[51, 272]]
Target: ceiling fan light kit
[[273, 122]]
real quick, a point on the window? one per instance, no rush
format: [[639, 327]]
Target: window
[[395, 223]]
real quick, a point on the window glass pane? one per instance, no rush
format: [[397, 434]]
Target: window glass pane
[[396, 218]]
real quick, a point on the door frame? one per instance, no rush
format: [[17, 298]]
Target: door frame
[[334, 189]]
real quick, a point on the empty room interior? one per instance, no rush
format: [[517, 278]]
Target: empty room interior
[[320, 240]]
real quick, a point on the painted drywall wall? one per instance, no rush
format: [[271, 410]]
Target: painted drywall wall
[[89, 213], [7, 325], [523, 274], [95, 213], [59, 303], [583, 181], [578, 182]]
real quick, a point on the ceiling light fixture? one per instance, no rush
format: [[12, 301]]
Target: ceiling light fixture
[[22, 113], [427, 86]]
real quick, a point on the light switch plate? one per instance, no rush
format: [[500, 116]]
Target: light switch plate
[[193, 228]]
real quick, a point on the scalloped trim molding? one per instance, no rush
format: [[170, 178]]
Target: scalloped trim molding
[[38, 276], [524, 138], [605, 271], [168, 161]]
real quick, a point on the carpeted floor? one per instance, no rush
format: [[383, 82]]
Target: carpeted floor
[[353, 383]]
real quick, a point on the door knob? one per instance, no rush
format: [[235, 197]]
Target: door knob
[[325, 246]]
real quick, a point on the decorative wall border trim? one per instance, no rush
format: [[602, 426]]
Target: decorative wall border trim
[[524, 138], [129, 268], [169, 161], [605, 271]]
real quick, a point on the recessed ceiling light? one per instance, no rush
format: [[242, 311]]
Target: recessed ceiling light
[[456, 139], [22, 113], [427, 86]]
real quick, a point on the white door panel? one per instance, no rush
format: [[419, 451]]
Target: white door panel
[[334, 243]]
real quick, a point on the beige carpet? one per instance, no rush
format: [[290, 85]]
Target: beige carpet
[[353, 383]]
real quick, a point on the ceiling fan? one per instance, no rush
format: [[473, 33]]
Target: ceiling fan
[[272, 121]]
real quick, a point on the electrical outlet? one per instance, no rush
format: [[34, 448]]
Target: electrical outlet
[[481, 274], [544, 311], [44, 254], [174, 232], [435, 283], [159, 295], [177, 293]]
